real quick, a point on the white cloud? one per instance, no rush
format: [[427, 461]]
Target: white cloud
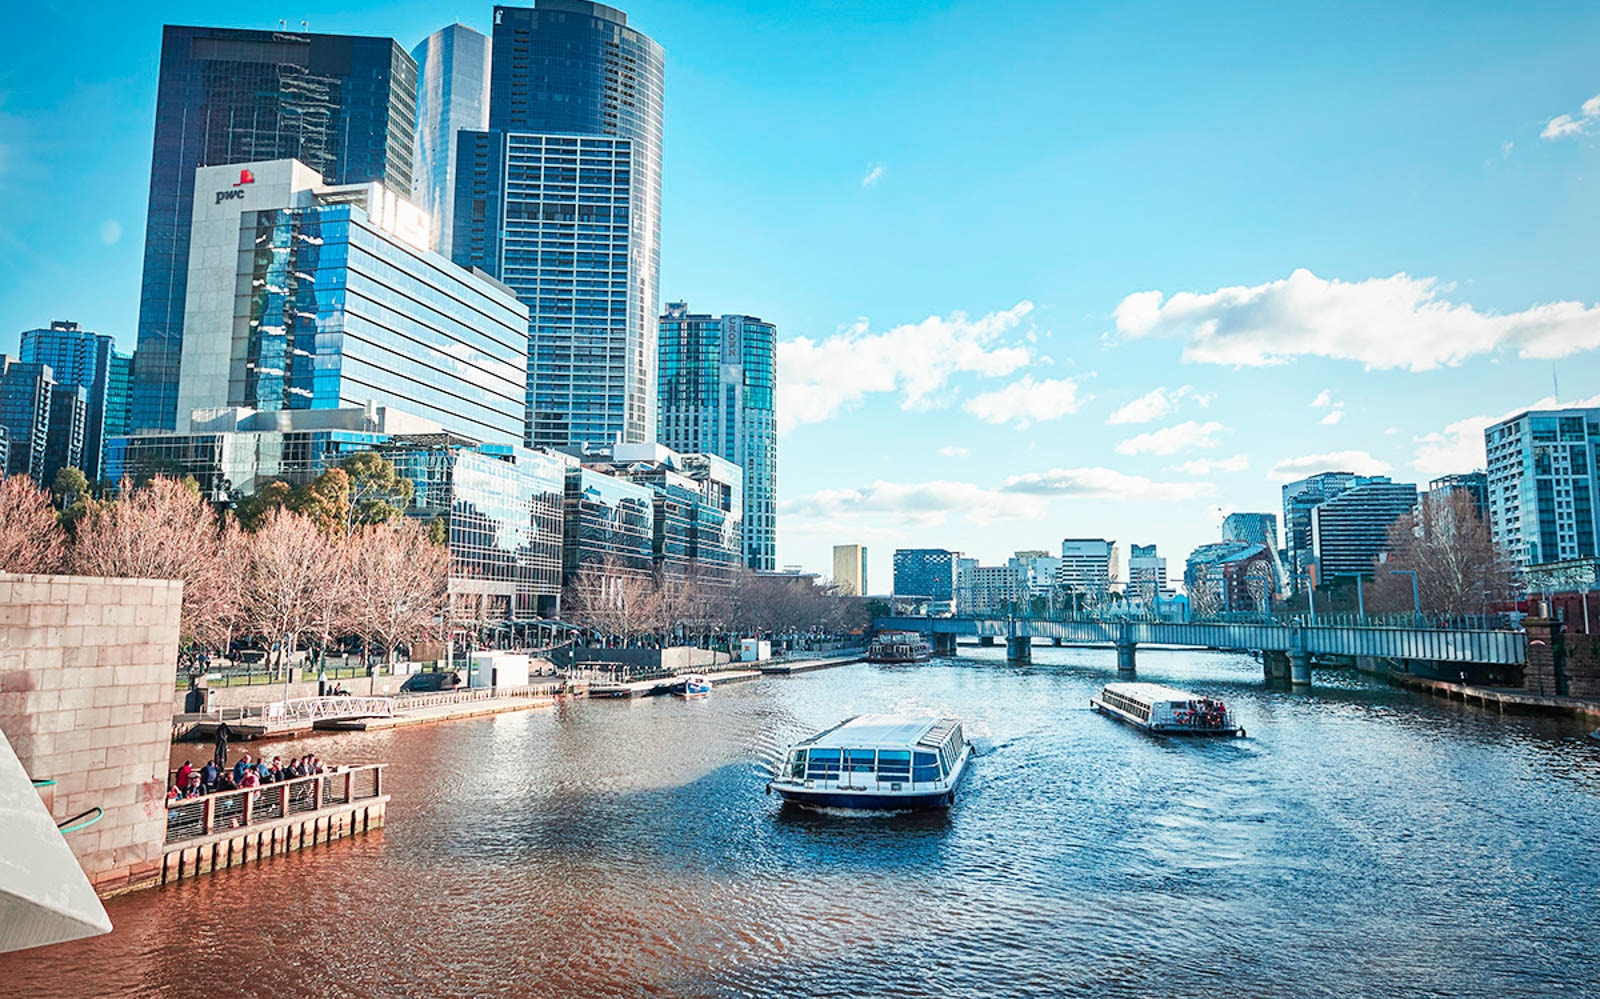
[[1332, 418], [1207, 466], [817, 378], [922, 503], [1359, 462], [1505, 149], [1171, 440], [875, 172], [1154, 404], [1102, 483], [1393, 322], [1025, 402], [1459, 447], [1563, 125], [1323, 400], [951, 451]]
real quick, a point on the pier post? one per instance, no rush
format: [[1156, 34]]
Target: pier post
[[944, 644], [1299, 668], [1125, 657], [986, 640], [1056, 642], [1019, 649], [1275, 665]]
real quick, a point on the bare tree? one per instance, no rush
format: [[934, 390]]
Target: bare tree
[[400, 584], [288, 567], [30, 538], [163, 530], [614, 601], [1459, 568]]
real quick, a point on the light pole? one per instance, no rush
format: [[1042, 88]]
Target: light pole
[[1416, 598]]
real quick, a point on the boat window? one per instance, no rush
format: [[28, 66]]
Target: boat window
[[859, 761], [927, 768], [797, 763], [823, 764], [894, 764]]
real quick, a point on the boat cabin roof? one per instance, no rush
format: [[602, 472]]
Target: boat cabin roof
[[883, 732], [1152, 693]]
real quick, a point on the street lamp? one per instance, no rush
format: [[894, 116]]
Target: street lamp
[[1416, 599]]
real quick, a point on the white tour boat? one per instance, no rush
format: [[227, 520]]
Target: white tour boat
[[1165, 710], [693, 687], [877, 762]]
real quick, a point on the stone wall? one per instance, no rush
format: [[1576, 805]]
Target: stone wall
[[87, 668], [1541, 675], [1580, 665]]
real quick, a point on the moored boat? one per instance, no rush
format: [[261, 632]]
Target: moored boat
[[1165, 710], [877, 763], [693, 687], [899, 647]]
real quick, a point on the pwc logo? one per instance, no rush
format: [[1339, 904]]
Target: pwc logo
[[245, 177]]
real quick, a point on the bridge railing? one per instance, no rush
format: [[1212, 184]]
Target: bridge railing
[[317, 708], [224, 811], [1441, 622]]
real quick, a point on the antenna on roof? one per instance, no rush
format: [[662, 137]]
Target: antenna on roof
[[283, 25], [305, 25]]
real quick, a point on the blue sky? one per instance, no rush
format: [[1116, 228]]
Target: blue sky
[[985, 229]]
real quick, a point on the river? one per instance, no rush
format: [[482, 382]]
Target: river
[[1362, 841]]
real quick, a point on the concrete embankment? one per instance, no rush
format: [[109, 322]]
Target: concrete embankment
[[1500, 699]]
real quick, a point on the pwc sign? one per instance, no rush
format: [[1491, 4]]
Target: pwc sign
[[245, 177]]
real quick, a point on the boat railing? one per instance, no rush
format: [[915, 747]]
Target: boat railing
[[222, 811]]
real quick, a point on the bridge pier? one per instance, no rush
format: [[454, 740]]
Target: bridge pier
[[1019, 650], [987, 641], [1275, 665], [944, 644], [1125, 658], [1056, 642], [1299, 668]]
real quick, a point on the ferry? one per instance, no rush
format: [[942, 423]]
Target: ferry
[[899, 647], [877, 763], [693, 687], [1165, 710]]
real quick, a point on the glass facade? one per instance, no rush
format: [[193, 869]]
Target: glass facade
[[25, 413], [561, 200], [1543, 485], [452, 94], [69, 422], [79, 357], [1299, 499], [717, 382], [341, 313], [119, 396], [230, 465], [925, 572], [608, 519], [343, 105]]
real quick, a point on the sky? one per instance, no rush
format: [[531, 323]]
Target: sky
[[1040, 270]]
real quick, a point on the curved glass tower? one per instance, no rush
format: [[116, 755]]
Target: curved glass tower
[[561, 200], [452, 94]]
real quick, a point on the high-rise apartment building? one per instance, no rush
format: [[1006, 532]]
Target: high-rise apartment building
[[452, 94], [926, 572], [561, 199], [25, 391], [68, 428], [338, 303], [1544, 485], [89, 360], [1299, 499], [992, 589], [1147, 573], [343, 105], [1089, 567], [1473, 485], [717, 379], [1350, 530], [850, 570]]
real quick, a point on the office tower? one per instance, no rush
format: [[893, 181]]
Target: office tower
[[928, 573], [68, 428], [850, 570], [1228, 576], [339, 303], [343, 105], [1473, 485], [1544, 485], [119, 397], [1299, 499], [79, 357], [25, 391], [992, 589], [1350, 530], [561, 200], [717, 396], [452, 94], [1147, 573], [1089, 567], [1261, 529]]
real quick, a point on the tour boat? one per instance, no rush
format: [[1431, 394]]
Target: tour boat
[[1165, 710], [899, 647], [877, 763], [693, 687]]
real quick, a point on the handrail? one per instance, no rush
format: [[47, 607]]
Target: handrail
[[82, 820], [314, 708], [219, 811]]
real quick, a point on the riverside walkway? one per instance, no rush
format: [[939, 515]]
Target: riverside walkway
[[1287, 646]]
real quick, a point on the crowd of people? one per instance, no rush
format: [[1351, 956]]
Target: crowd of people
[[190, 782]]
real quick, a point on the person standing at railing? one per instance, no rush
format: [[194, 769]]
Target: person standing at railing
[[208, 776], [240, 768]]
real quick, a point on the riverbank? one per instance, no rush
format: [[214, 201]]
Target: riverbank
[[1500, 698]]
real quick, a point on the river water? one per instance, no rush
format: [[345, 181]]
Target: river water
[[1363, 841]]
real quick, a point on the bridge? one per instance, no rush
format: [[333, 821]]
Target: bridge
[[1287, 646]]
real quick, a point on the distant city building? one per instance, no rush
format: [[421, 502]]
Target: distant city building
[[119, 397], [1473, 485], [25, 391], [69, 426], [560, 198], [1350, 530], [1299, 499], [1261, 529], [1147, 573], [452, 94], [1544, 485], [343, 105], [1089, 566], [1040, 573], [341, 304], [90, 360], [992, 589], [929, 573], [850, 570], [5, 449], [1230, 576], [718, 379]]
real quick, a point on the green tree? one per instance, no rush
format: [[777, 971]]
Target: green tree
[[253, 511], [72, 496], [326, 500], [439, 531], [378, 493]]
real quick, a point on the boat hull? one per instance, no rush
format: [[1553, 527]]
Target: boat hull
[[883, 660], [863, 801], [1230, 730]]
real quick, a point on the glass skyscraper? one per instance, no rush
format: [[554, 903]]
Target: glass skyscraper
[[717, 381], [452, 94], [79, 357], [1544, 485], [561, 200], [25, 391], [343, 105]]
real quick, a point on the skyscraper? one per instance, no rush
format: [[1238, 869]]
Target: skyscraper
[[850, 570], [68, 427], [926, 572], [561, 200], [452, 94], [25, 391], [1544, 485], [717, 396], [343, 105], [90, 360], [1299, 499], [1089, 567], [1258, 529], [1350, 530]]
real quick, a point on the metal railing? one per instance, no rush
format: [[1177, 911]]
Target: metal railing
[[224, 811], [317, 708], [406, 702]]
